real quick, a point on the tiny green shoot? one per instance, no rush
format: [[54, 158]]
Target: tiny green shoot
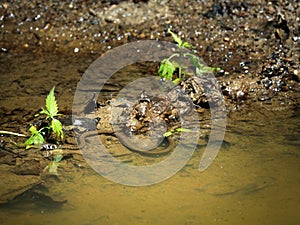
[[54, 125], [51, 111], [171, 70], [178, 40]]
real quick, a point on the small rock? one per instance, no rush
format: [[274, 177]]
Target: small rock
[[296, 75]]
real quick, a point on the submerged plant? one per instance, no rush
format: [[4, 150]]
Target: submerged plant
[[169, 66], [53, 125], [170, 132]]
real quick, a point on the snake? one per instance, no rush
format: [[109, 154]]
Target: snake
[[123, 139]]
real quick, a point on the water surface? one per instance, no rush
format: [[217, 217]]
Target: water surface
[[255, 178]]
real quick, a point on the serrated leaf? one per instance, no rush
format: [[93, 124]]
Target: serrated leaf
[[166, 69], [175, 38], [57, 128], [51, 104], [170, 68], [161, 69]]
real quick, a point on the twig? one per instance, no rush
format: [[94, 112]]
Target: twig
[[12, 133]]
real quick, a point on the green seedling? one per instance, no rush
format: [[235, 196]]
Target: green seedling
[[169, 66], [51, 112], [178, 40], [54, 125]]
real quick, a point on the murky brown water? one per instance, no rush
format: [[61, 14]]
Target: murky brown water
[[255, 178]]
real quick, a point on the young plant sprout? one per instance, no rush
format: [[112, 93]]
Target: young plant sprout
[[53, 126], [168, 66]]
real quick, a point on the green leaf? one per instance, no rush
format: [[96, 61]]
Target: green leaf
[[161, 71], [44, 111], [36, 138], [33, 130], [166, 69], [51, 105], [175, 38], [183, 130], [57, 128], [168, 133], [177, 80], [186, 45]]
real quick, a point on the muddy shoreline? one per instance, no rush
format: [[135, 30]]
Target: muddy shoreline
[[257, 45]]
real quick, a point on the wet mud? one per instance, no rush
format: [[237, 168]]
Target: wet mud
[[255, 43]]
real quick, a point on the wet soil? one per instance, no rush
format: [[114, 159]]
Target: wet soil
[[255, 43], [49, 43]]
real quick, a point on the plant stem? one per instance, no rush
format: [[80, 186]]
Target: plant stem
[[175, 54]]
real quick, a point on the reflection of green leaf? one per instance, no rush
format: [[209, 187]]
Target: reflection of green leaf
[[52, 167], [58, 156]]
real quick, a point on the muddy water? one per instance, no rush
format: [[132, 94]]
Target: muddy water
[[254, 179]]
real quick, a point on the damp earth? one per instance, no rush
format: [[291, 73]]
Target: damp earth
[[255, 177]]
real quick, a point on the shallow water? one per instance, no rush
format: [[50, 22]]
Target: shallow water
[[255, 178]]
